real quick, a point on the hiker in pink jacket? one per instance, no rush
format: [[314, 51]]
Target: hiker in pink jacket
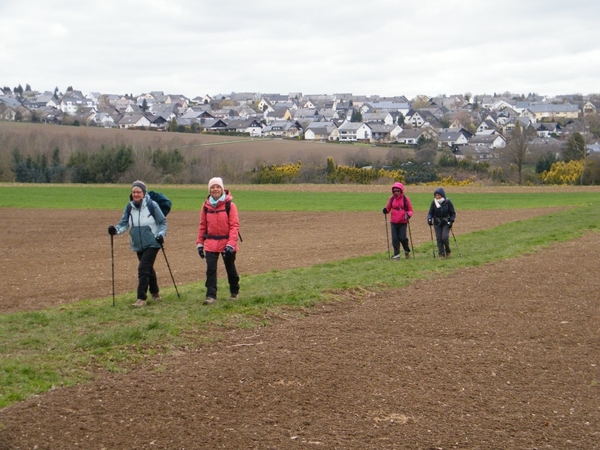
[[218, 234], [400, 210]]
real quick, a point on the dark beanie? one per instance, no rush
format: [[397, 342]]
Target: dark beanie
[[139, 184]]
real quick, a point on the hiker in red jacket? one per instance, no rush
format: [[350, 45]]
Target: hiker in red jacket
[[400, 210], [218, 234]]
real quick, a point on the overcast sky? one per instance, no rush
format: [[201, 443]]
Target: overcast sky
[[384, 47]]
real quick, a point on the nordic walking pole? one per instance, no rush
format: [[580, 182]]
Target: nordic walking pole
[[410, 236], [455, 243], [432, 244], [112, 259], [387, 234], [167, 261]]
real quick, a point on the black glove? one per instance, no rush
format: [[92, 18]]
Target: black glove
[[449, 224], [112, 230], [160, 239], [407, 217], [201, 252], [429, 221], [228, 253], [384, 211]]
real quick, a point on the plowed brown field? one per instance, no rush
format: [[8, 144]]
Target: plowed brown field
[[504, 356]]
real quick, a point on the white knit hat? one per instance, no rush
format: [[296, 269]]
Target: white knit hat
[[218, 181]]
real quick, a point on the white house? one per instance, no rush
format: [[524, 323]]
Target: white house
[[133, 120], [355, 131], [70, 105], [453, 138], [383, 117], [384, 133], [321, 131], [488, 140], [411, 136]]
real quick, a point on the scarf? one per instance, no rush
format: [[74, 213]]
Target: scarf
[[214, 202]]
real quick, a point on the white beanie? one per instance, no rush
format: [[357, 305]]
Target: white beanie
[[217, 181]]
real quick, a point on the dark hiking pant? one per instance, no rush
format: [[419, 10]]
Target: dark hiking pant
[[399, 237], [212, 258], [442, 235], [146, 274]]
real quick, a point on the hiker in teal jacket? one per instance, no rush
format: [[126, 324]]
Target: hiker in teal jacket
[[147, 230]]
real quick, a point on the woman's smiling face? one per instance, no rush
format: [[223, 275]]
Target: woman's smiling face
[[137, 194], [216, 191]]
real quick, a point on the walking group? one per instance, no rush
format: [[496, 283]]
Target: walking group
[[440, 217], [218, 233]]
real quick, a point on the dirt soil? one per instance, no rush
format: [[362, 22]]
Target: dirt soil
[[504, 356], [49, 257]]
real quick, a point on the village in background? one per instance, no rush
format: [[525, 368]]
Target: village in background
[[500, 138]]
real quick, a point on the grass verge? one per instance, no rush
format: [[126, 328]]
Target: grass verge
[[113, 197], [65, 345]]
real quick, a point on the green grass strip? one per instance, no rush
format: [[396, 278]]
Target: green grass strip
[[190, 199], [62, 346]]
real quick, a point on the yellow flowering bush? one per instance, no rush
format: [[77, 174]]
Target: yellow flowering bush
[[450, 181], [274, 174], [563, 173], [348, 174]]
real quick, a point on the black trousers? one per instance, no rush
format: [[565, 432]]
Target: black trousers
[[212, 258], [399, 237], [146, 274], [442, 235]]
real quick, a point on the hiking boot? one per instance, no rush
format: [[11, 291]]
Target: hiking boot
[[441, 256], [396, 256], [156, 297], [209, 301], [447, 255], [407, 255], [139, 303], [233, 297]]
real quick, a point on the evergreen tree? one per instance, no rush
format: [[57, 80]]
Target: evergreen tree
[[400, 120], [356, 116], [544, 164]]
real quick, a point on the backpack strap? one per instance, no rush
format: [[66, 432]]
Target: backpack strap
[[227, 209], [150, 206]]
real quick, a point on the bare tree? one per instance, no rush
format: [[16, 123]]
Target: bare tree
[[465, 120], [142, 169], [515, 152], [426, 153]]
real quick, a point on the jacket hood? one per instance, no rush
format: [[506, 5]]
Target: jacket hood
[[398, 186], [440, 191]]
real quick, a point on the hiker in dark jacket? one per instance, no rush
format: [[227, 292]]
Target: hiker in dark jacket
[[147, 230], [400, 210], [441, 216]]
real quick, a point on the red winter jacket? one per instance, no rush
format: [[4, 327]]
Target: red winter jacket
[[217, 229], [398, 206]]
